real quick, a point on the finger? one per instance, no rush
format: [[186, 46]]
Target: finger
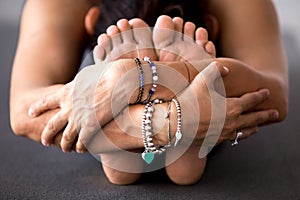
[[251, 100], [57, 139], [258, 118], [53, 127], [212, 72], [80, 148], [247, 132], [69, 135], [46, 103]]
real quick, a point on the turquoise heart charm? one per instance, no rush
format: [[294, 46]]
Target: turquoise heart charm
[[148, 157]]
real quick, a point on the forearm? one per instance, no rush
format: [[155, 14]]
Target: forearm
[[124, 132], [244, 78], [48, 53]]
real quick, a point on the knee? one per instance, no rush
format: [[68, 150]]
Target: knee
[[184, 179], [120, 178]]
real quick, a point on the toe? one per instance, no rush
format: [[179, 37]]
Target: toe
[[114, 33], [125, 29], [99, 54], [201, 36], [178, 24], [189, 31], [141, 33], [210, 48], [163, 33], [105, 42]]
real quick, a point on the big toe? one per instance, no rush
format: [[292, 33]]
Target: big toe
[[141, 33], [163, 33]]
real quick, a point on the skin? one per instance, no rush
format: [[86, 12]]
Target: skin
[[187, 169], [267, 69]]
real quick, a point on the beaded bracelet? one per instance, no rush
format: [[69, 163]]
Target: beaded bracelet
[[142, 81], [168, 129], [154, 77], [178, 134], [150, 148]]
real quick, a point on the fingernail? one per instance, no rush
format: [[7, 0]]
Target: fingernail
[[65, 151], [275, 115], [31, 112], [45, 143], [226, 69], [79, 151], [266, 92]]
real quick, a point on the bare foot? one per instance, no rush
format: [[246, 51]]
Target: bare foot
[[172, 45], [174, 41], [127, 39]]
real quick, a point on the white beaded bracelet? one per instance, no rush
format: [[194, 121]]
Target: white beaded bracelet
[[150, 148], [178, 134]]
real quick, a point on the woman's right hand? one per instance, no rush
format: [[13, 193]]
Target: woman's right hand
[[85, 105], [219, 118]]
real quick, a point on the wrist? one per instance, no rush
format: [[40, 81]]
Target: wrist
[[164, 124]]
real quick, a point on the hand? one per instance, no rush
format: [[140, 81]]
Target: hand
[[62, 121], [85, 105], [217, 118]]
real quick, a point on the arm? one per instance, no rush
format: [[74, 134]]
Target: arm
[[248, 32], [104, 102], [124, 130], [48, 55]]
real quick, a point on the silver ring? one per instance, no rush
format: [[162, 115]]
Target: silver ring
[[239, 134]]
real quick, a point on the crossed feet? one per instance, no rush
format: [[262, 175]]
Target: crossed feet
[[171, 40]]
